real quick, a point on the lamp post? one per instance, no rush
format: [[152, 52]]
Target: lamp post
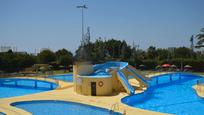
[[82, 9]]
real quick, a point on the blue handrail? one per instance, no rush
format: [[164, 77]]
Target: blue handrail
[[137, 75], [126, 83]]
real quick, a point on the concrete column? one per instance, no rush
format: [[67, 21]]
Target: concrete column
[[75, 73]]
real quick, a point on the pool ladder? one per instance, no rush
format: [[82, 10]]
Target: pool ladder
[[115, 108]]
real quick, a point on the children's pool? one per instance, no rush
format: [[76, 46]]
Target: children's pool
[[170, 93], [52, 107], [11, 87]]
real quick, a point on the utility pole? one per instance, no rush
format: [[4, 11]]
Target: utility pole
[[82, 20], [192, 44]]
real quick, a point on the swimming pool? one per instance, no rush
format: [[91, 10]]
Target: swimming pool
[[170, 93], [10, 87], [53, 107], [2, 113], [64, 77]]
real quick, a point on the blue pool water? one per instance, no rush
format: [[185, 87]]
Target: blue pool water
[[69, 77], [64, 77], [2, 113], [175, 97], [10, 87], [51, 107], [99, 74]]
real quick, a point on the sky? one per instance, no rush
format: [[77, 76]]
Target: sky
[[56, 24]]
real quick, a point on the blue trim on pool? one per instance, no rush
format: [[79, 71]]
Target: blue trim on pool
[[12, 87], [63, 77], [41, 107], [154, 98], [1, 113], [16, 80]]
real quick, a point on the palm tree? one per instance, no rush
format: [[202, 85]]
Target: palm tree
[[200, 39]]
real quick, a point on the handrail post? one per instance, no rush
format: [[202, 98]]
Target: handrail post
[[197, 82], [157, 80], [170, 78], [35, 83], [124, 112], [114, 107]]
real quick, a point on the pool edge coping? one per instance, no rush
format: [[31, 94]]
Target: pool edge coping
[[63, 89]]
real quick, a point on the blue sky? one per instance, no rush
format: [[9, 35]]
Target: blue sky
[[35, 24]]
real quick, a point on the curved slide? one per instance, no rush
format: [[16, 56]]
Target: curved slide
[[137, 75], [125, 83], [123, 69], [138, 72]]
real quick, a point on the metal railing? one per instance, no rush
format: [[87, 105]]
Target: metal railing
[[200, 85], [116, 108], [200, 82], [47, 79]]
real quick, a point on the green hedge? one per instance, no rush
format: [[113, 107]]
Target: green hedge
[[197, 64], [150, 64]]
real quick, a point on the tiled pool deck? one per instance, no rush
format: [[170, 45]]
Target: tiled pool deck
[[65, 93]]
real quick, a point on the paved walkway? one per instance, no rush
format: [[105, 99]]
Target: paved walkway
[[65, 93], [199, 90]]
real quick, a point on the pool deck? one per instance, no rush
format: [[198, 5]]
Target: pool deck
[[199, 90], [65, 93]]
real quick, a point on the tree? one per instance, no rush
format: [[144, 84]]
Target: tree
[[63, 52], [182, 52], [125, 51], [200, 38], [136, 57], [1, 63], [98, 53], [14, 62], [65, 60], [64, 57], [151, 52], [46, 56], [113, 47], [7, 62], [162, 54]]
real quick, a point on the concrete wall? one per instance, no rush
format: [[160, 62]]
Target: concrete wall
[[75, 73], [116, 84], [84, 85]]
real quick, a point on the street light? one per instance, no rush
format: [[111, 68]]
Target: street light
[[82, 9]]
